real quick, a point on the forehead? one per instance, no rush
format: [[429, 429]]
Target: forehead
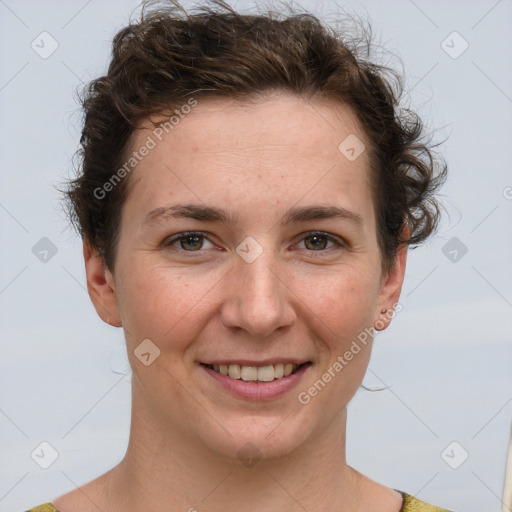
[[275, 119], [276, 149]]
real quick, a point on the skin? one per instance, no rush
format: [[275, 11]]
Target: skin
[[258, 160]]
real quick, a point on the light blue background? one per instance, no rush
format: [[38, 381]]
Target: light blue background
[[447, 356]]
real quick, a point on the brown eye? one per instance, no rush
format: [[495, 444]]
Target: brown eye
[[316, 242], [189, 242]]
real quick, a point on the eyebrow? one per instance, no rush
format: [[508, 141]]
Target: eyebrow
[[213, 214]]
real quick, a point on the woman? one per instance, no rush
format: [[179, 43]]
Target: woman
[[248, 190]]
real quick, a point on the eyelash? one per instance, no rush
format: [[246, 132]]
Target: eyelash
[[182, 236]]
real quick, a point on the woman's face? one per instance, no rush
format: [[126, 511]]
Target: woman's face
[[272, 285]]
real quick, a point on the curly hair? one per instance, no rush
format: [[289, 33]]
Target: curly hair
[[170, 56]]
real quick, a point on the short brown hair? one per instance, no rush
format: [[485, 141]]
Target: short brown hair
[[170, 55]]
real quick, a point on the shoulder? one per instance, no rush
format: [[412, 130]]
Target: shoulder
[[47, 507], [412, 504]]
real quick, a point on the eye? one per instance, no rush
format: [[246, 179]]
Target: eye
[[317, 241], [191, 241]]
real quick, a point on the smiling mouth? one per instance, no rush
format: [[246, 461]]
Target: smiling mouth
[[256, 373]]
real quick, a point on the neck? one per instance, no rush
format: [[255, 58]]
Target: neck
[[168, 470]]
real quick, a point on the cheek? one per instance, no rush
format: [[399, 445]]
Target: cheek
[[342, 298], [340, 309], [165, 305]]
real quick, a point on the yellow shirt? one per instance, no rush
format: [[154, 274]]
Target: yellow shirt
[[409, 504]]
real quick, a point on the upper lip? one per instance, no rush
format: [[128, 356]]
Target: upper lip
[[264, 362]]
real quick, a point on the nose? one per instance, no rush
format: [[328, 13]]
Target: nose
[[258, 297]]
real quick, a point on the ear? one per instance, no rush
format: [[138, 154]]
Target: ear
[[391, 287], [101, 286]]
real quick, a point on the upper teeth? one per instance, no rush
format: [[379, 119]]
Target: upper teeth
[[261, 373]]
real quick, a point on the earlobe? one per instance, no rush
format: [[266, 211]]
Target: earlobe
[[101, 286]]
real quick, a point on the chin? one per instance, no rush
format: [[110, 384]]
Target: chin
[[256, 439]]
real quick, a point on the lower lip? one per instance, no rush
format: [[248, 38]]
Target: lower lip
[[255, 390]]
